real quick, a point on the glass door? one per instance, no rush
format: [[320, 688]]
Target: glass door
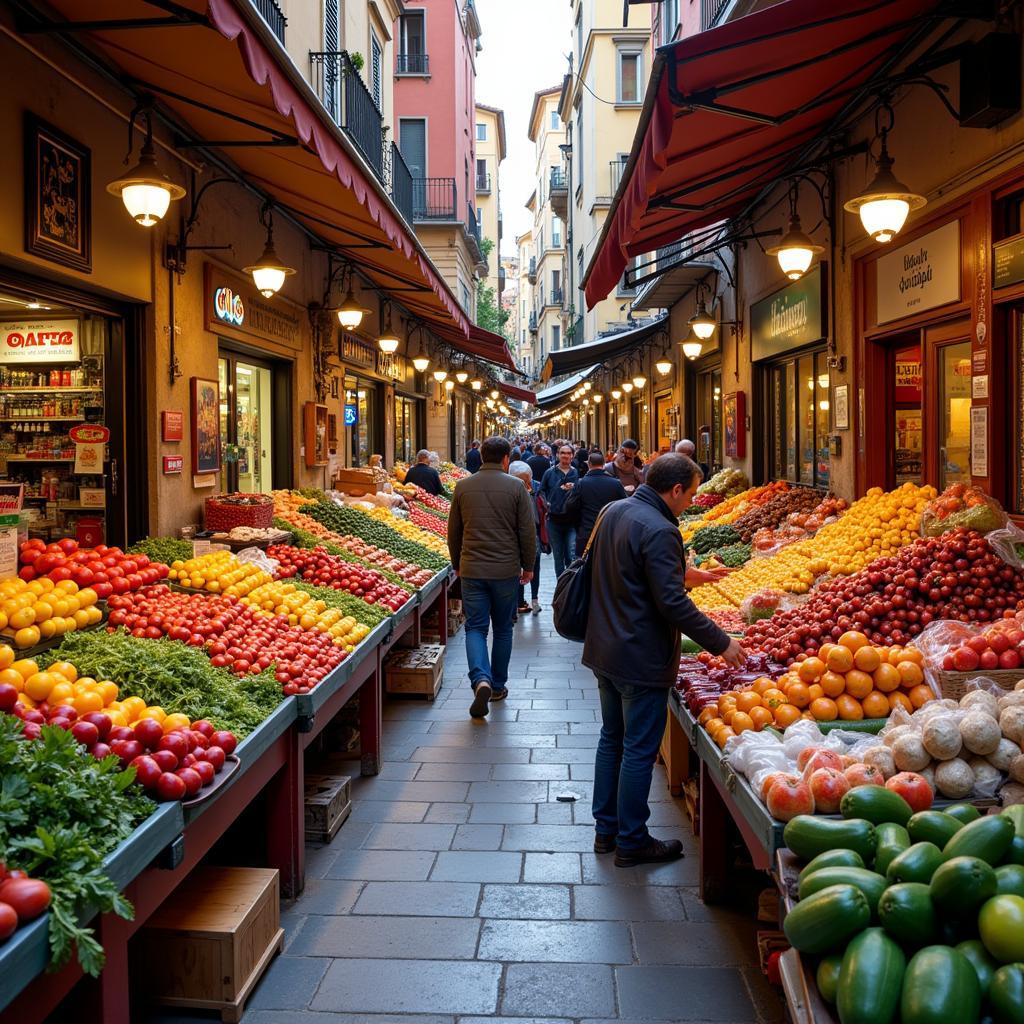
[[954, 411], [246, 425]]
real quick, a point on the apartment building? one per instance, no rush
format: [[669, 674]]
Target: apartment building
[[546, 269], [509, 266], [435, 111], [490, 151], [527, 319]]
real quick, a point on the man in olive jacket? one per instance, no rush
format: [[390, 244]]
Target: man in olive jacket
[[492, 540], [638, 608]]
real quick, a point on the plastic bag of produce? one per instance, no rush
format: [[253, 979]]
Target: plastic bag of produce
[[801, 734], [942, 637], [960, 505], [753, 752], [259, 558], [762, 605], [1008, 543]]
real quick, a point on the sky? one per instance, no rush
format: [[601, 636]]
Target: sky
[[525, 46]]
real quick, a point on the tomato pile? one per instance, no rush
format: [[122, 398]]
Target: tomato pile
[[954, 576], [106, 570], [22, 899], [428, 521], [433, 501], [999, 647], [326, 570], [237, 637]]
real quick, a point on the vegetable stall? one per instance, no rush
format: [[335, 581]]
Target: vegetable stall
[[153, 701]]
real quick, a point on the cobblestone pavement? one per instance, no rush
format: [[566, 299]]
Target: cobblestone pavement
[[464, 889]]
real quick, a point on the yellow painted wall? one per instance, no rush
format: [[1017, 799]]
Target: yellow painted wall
[[487, 203]]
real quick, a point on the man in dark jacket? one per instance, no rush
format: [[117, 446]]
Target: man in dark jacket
[[539, 463], [473, 459], [554, 488], [589, 496], [423, 474], [638, 607], [492, 540]]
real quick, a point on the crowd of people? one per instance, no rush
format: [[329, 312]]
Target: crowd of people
[[525, 498]]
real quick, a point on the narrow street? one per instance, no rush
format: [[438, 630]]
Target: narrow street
[[464, 889]]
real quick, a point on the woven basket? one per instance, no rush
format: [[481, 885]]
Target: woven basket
[[222, 514], [954, 684]]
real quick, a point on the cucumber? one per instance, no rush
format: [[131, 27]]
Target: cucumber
[[940, 987], [875, 804], [1010, 880], [907, 913], [891, 841], [1015, 854], [870, 979], [981, 960], [833, 859], [988, 838], [916, 864], [1006, 994], [933, 827], [960, 886], [807, 836], [827, 977], [826, 920], [963, 812], [869, 883]]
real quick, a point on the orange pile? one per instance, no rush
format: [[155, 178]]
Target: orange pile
[[849, 680]]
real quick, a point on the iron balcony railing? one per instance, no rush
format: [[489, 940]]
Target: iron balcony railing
[[472, 224], [711, 12], [350, 103], [555, 299], [616, 167], [273, 16], [558, 179], [483, 183], [533, 322], [531, 270], [433, 198], [574, 335], [401, 184], [412, 64]]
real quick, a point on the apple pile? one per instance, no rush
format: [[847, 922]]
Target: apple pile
[[107, 570], [953, 576], [320, 567], [998, 647]]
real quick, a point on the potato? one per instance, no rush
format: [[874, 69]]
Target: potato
[[1017, 768], [1011, 793], [892, 735], [980, 700], [986, 778], [941, 737], [1003, 754], [928, 774], [980, 732], [932, 708], [954, 779], [1011, 721], [881, 758], [1013, 699], [909, 753]]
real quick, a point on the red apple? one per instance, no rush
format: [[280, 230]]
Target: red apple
[[864, 775], [828, 787], [787, 799], [821, 758], [913, 788]]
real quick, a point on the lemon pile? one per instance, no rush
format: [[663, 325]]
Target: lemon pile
[[41, 610], [301, 609], [219, 572]]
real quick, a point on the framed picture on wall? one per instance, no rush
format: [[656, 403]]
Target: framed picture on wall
[[205, 425], [734, 417], [842, 400], [58, 206]]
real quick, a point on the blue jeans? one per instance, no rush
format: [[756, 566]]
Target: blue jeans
[[535, 582], [633, 722], [486, 603], [563, 544]]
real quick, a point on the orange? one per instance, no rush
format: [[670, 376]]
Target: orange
[[811, 670], [724, 735], [85, 703], [747, 700], [900, 700], [849, 708], [786, 714], [25, 667], [156, 712], [833, 684], [867, 659], [713, 725], [814, 691], [824, 650], [840, 659], [887, 678], [108, 691], [772, 698], [38, 687], [6, 656], [875, 705], [741, 722], [761, 717], [761, 684], [910, 674], [824, 710], [894, 654], [859, 684], [854, 640], [912, 654], [920, 695], [62, 693], [132, 707], [21, 618], [116, 717], [798, 695], [27, 637], [12, 678], [727, 714], [707, 714], [176, 721]]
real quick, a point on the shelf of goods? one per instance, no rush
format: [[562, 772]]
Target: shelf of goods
[[122, 675]]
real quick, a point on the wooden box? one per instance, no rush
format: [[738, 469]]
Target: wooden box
[[356, 482], [417, 671], [328, 805], [211, 941]]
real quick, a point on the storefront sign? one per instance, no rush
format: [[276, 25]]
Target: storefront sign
[[172, 425], [89, 458], [351, 415], [173, 464], [228, 307], [233, 307], [89, 433], [352, 351], [40, 341], [979, 441], [390, 364], [919, 276], [1008, 262], [792, 317]]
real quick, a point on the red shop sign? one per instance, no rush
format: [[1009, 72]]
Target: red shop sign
[[173, 425], [173, 464], [89, 433]]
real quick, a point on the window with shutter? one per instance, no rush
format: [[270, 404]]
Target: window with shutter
[[332, 68], [376, 71]]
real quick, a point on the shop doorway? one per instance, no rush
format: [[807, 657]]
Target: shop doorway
[[705, 422], [363, 418], [408, 430]]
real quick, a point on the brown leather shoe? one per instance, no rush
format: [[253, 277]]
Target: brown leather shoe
[[654, 851]]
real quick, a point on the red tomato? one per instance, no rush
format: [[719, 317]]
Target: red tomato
[[27, 897], [170, 787], [147, 771], [8, 921], [166, 759]]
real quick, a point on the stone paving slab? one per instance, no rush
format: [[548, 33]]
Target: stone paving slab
[[595, 942], [429, 899], [703, 993], [574, 990], [406, 938]]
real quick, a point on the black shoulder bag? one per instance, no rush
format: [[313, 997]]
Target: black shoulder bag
[[570, 606]]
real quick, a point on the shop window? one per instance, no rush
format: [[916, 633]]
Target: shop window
[[362, 405], [407, 432], [246, 425], [908, 416], [709, 415], [797, 392]]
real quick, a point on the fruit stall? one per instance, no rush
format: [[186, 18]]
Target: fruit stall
[[156, 701]]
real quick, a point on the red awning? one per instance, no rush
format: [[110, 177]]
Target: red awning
[[519, 394], [218, 73], [728, 111]]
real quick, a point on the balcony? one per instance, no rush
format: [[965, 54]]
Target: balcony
[[350, 104], [483, 184], [559, 192], [555, 298], [401, 184], [574, 333], [412, 64], [433, 199], [533, 322], [273, 16], [531, 272], [615, 170], [711, 12]]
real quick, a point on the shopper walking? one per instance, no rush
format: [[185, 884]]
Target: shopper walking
[[473, 459], [522, 471], [625, 467], [539, 462], [638, 607], [492, 541], [554, 489], [579, 459], [423, 474], [589, 496]]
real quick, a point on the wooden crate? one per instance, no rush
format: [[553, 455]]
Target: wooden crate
[[417, 671], [211, 941], [355, 481], [328, 805]]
